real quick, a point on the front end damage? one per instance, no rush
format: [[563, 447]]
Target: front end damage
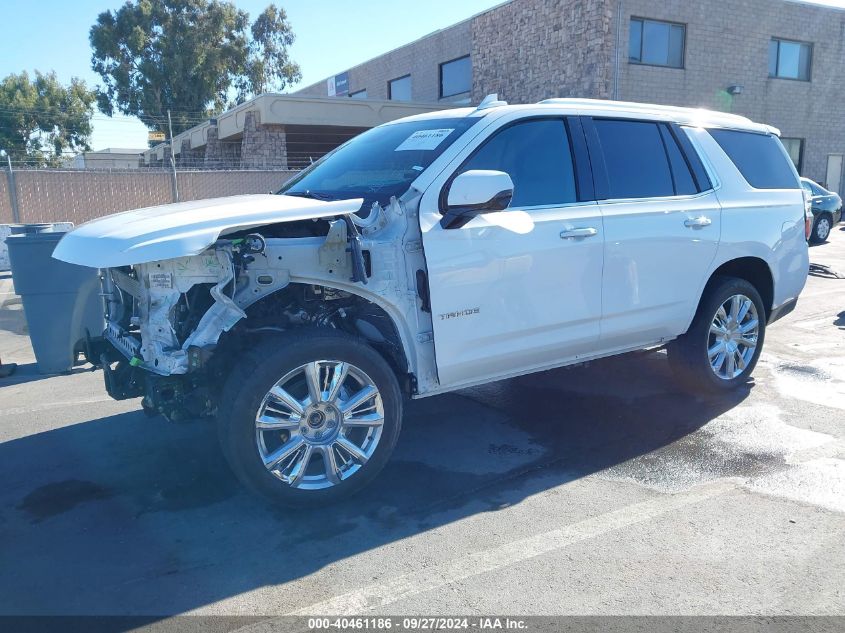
[[176, 327]]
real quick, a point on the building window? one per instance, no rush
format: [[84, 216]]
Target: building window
[[656, 43], [455, 77], [795, 149], [399, 89], [790, 60], [360, 94]]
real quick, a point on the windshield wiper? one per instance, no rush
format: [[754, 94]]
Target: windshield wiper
[[314, 195]]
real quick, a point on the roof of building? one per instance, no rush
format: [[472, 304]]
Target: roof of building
[[285, 109], [117, 150]]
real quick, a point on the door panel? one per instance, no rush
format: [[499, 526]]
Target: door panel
[[660, 235], [657, 253], [506, 301], [519, 289]]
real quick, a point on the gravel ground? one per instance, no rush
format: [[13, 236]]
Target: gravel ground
[[599, 489]]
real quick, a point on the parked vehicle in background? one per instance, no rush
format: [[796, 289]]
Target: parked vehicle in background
[[826, 207], [442, 251]]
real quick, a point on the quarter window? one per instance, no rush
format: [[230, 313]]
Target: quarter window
[[656, 43], [537, 156], [790, 60], [635, 159], [759, 157], [399, 89], [795, 148], [455, 77]]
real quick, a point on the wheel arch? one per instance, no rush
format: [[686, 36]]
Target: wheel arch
[[754, 270], [397, 353]]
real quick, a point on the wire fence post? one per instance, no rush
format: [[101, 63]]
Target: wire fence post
[[13, 193], [174, 182]]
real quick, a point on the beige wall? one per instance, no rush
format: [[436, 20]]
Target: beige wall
[[420, 59], [78, 196]]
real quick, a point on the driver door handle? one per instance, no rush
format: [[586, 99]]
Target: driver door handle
[[699, 222], [582, 232]]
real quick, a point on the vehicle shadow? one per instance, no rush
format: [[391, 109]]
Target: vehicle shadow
[[133, 515], [28, 372]]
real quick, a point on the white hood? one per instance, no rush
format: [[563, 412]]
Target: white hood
[[185, 228]]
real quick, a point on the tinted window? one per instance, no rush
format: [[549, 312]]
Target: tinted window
[[759, 157], [681, 174], [455, 77], [635, 159], [399, 89], [790, 60], [381, 162], [536, 154], [656, 43]]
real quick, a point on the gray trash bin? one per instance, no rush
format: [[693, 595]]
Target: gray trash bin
[[60, 300]]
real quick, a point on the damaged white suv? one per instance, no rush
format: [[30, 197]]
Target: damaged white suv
[[441, 251]]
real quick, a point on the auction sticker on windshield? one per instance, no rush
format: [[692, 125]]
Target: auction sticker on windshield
[[424, 139]]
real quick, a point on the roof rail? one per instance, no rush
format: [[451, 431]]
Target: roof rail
[[632, 106], [490, 101]]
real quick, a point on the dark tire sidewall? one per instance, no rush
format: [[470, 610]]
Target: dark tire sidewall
[[236, 419], [693, 346]]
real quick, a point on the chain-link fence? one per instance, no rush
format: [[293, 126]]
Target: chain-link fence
[[60, 195]]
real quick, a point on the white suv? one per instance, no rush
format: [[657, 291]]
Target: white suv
[[441, 251]]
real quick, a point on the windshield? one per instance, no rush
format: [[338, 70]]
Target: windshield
[[379, 163]]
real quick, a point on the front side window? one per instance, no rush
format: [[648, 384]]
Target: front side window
[[795, 148], [399, 89], [790, 60], [455, 77], [635, 159], [380, 163], [759, 157], [656, 43], [537, 156]]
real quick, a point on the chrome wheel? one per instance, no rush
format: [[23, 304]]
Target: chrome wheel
[[319, 424], [732, 339], [822, 228]]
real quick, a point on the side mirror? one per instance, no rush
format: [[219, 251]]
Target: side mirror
[[474, 192]]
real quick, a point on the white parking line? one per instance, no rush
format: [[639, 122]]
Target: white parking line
[[51, 405], [437, 576]]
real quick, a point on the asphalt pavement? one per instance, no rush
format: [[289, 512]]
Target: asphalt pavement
[[598, 489]]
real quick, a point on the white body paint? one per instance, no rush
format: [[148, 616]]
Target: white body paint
[[508, 295]]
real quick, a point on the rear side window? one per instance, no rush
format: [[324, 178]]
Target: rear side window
[[635, 159], [760, 158], [537, 156]]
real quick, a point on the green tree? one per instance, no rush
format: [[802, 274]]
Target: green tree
[[40, 120], [188, 56]]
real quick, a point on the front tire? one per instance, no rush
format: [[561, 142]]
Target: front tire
[[308, 418], [722, 346], [822, 226]]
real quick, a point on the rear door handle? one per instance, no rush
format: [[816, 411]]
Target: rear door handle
[[699, 222], [583, 232]]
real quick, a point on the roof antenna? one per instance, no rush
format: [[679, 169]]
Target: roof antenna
[[491, 101]]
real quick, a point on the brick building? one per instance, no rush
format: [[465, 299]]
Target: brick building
[[780, 62]]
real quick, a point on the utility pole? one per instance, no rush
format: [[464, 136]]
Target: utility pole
[[173, 159], [13, 192]]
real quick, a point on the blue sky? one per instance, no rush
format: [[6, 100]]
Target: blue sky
[[332, 35]]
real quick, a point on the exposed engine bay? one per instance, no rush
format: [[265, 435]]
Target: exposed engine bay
[[175, 327]]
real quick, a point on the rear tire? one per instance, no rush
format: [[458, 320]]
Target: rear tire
[[288, 421], [822, 226], [722, 346]]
